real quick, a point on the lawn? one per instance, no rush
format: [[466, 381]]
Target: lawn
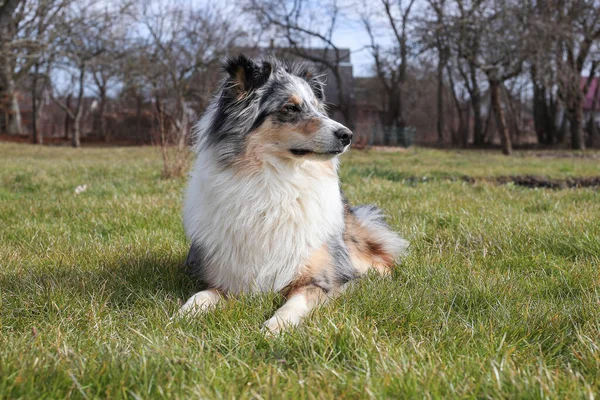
[[500, 296]]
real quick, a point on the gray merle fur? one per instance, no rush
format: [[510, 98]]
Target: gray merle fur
[[251, 91]]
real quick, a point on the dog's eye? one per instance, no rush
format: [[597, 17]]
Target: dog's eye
[[292, 108]]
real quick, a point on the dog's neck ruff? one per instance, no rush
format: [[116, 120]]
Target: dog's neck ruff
[[256, 229]]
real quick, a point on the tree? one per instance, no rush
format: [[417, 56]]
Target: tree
[[41, 29], [106, 68], [391, 64], [433, 33], [80, 29], [575, 26], [543, 72], [27, 33], [466, 39], [500, 30], [460, 136]]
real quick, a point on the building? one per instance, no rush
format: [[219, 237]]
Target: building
[[589, 108]]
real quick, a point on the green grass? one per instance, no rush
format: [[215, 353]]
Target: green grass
[[500, 296]]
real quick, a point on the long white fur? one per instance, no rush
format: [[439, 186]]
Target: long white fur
[[260, 228]]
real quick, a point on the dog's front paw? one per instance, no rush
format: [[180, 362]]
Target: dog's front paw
[[273, 326], [278, 323], [199, 303]]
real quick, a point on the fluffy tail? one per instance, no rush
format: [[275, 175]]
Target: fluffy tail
[[383, 244]]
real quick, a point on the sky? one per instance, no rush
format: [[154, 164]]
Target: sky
[[356, 40]]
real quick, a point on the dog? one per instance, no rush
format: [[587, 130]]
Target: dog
[[263, 209]]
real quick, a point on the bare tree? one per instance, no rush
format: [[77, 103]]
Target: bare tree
[[543, 72], [575, 26], [391, 64], [106, 69], [43, 30], [466, 39], [79, 48], [501, 33], [460, 135], [434, 34], [26, 35]]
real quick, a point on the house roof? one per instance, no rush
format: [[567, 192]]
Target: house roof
[[589, 96]]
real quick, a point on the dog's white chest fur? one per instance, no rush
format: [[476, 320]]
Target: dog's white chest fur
[[258, 229]]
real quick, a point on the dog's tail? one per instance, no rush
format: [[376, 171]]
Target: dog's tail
[[381, 239]]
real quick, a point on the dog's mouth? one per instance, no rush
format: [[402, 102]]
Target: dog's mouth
[[304, 152]]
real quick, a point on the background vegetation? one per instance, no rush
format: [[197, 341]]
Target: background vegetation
[[465, 72]]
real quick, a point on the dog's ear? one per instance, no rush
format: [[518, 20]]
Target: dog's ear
[[245, 74]]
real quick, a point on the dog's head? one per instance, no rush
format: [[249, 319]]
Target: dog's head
[[270, 110]]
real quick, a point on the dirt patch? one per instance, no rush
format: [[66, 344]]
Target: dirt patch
[[592, 155], [532, 181]]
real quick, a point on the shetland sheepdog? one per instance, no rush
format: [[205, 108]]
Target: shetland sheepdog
[[263, 208]]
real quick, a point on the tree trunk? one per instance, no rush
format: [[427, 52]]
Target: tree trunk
[[391, 118], [575, 120], [138, 118], [76, 138], [182, 126], [541, 115], [440, 98], [461, 137], [8, 99], [562, 130], [465, 136], [15, 125], [478, 137], [76, 142], [101, 112], [486, 130], [67, 130], [551, 109], [593, 126], [500, 119], [593, 132], [8, 96], [37, 137], [514, 117]]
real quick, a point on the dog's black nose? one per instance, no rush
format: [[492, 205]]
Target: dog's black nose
[[345, 135]]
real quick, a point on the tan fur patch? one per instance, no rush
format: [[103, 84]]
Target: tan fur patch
[[317, 264], [309, 127], [365, 251], [259, 140], [294, 99]]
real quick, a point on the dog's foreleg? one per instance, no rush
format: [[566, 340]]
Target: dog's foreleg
[[201, 302], [298, 305]]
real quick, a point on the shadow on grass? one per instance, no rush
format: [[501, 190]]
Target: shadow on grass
[[123, 284]]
